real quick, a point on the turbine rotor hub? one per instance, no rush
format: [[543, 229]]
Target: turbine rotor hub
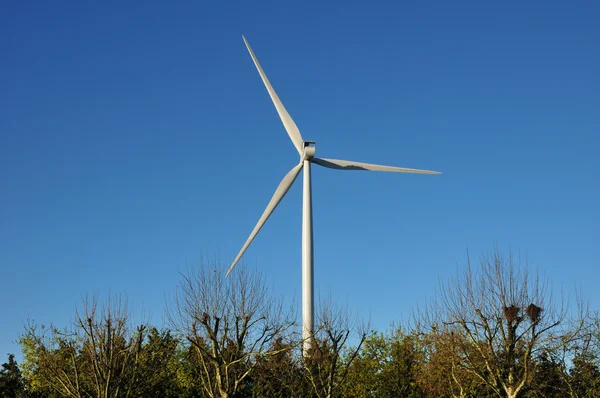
[[309, 150]]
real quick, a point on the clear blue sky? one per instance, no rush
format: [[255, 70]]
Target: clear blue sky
[[134, 138]]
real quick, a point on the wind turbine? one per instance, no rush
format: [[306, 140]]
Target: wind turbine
[[306, 150]]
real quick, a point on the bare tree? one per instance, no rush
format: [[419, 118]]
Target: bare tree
[[229, 322], [499, 319], [328, 360], [101, 355]]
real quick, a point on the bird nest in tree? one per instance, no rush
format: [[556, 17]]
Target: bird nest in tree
[[511, 313], [534, 312]]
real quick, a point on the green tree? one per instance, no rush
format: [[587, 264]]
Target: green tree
[[585, 376], [278, 374], [584, 372], [401, 372], [549, 379], [365, 374], [388, 365], [11, 381], [157, 367]]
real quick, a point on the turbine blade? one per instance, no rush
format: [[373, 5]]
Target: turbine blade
[[280, 192], [350, 165], [286, 119]]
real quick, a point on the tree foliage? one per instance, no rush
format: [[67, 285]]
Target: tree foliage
[[11, 380], [388, 365], [494, 331]]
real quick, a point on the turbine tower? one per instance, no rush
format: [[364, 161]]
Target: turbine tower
[[306, 150]]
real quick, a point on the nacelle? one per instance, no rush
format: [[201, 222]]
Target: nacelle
[[309, 149]]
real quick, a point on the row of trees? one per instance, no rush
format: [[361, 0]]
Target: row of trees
[[494, 331]]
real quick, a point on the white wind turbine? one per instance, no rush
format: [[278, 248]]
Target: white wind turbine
[[306, 149]]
